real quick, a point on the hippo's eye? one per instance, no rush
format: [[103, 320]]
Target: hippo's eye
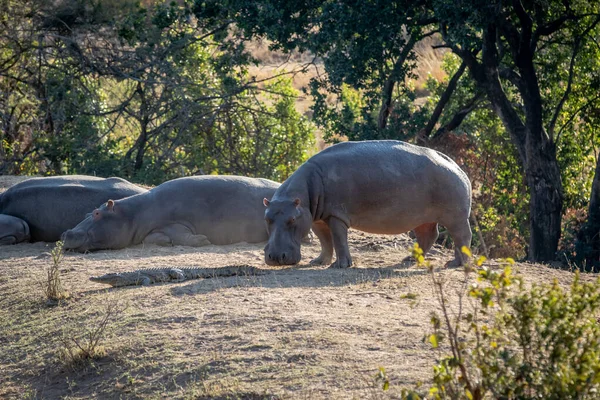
[[96, 214], [291, 220]]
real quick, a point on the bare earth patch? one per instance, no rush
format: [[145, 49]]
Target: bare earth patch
[[296, 332]]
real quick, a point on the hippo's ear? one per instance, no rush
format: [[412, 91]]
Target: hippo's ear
[[266, 202], [296, 202], [110, 205]]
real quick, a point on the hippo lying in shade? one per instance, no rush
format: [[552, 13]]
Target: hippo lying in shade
[[50, 206], [193, 211], [386, 187]]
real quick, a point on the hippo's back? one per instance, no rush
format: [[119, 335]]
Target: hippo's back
[[385, 186], [227, 209], [54, 204], [220, 183], [380, 160]]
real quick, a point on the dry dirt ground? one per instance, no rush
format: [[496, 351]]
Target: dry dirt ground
[[296, 332]]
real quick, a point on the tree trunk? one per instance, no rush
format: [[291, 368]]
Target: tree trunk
[[588, 238], [545, 204], [537, 151]]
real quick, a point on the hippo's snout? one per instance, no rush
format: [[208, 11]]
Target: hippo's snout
[[73, 240], [286, 257], [279, 259]]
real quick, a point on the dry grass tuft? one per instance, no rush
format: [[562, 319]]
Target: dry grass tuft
[[53, 287], [78, 350]]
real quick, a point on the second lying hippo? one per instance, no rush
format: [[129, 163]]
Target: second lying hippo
[[193, 211]]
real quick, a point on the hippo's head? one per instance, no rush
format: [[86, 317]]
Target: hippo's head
[[107, 227], [287, 223]]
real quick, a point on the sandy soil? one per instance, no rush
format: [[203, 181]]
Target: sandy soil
[[297, 332]]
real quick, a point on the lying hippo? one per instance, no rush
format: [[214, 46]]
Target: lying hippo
[[50, 206], [13, 230], [382, 186], [192, 211]]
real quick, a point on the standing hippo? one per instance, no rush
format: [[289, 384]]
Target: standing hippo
[[13, 230], [382, 186], [50, 206], [193, 211]]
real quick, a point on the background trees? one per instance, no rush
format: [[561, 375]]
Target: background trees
[[155, 90], [141, 90], [531, 63]]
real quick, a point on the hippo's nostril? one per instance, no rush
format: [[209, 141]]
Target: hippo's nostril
[[283, 257], [271, 256]]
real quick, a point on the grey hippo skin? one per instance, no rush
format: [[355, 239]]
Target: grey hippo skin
[[193, 211], [52, 205], [13, 230], [384, 187]]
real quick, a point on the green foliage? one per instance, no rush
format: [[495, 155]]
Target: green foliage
[[140, 90], [270, 142], [516, 340]]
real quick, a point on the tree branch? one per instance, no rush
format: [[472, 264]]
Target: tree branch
[[460, 116], [567, 92], [435, 116], [388, 88], [572, 117]]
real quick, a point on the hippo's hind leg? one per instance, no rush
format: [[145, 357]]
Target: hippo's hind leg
[[323, 232], [426, 235], [461, 234], [339, 230]]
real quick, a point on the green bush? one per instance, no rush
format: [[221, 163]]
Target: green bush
[[515, 341]]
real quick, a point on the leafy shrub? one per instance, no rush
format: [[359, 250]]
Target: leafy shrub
[[515, 341]]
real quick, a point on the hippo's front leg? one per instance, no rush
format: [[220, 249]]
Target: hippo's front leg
[[323, 232], [158, 238], [181, 235], [339, 229]]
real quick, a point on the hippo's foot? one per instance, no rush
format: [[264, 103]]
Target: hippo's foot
[[342, 263], [321, 260]]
